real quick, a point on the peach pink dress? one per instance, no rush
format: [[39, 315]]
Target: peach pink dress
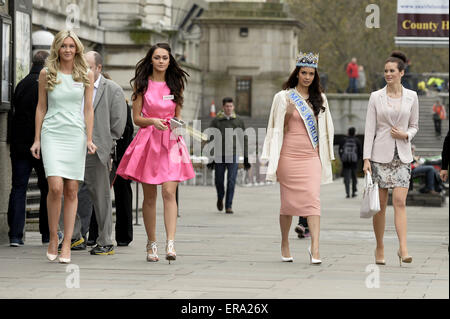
[[156, 156], [299, 172]]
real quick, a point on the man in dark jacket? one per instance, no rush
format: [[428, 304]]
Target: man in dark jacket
[[122, 188], [350, 151], [24, 104], [228, 158]]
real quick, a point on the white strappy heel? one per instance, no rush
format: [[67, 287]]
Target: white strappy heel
[[171, 254], [153, 257]]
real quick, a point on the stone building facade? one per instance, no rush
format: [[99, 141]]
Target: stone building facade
[[247, 50], [242, 49]]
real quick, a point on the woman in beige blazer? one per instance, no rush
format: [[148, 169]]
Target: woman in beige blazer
[[391, 123], [299, 148]]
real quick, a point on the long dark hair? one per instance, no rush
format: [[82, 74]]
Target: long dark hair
[[314, 90], [175, 76]]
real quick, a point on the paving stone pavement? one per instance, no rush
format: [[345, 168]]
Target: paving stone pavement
[[238, 256]]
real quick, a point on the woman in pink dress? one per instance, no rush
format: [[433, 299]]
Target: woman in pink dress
[[157, 156]]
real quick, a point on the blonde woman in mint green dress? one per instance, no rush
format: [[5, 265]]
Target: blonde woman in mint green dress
[[64, 132]]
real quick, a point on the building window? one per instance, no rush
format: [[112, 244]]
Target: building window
[[243, 96], [5, 56], [243, 32]]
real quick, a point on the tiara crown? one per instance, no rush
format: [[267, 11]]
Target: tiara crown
[[308, 59]]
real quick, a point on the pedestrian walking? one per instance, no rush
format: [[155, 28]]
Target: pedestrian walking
[[110, 115], [62, 134], [157, 156], [352, 73], [24, 104], [299, 148], [350, 152], [226, 155], [391, 123], [439, 114], [302, 228]]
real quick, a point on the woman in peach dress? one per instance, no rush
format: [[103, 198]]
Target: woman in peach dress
[[299, 147]]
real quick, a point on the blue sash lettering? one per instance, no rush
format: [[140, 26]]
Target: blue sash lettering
[[307, 117]]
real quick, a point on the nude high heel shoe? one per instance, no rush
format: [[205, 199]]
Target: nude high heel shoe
[[406, 259], [379, 261]]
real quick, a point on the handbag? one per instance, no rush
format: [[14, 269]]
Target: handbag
[[371, 198]]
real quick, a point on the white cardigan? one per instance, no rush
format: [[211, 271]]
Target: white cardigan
[[274, 138]]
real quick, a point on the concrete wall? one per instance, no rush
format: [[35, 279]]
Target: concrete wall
[[348, 110]]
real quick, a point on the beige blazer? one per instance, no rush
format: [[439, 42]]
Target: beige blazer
[[274, 138], [379, 145]]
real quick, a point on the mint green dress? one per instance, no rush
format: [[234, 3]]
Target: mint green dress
[[63, 134]]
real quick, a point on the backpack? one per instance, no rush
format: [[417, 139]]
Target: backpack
[[350, 151]]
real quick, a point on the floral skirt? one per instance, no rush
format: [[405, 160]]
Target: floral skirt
[[393, 174]]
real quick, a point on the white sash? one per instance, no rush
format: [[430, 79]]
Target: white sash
[[307, 116]]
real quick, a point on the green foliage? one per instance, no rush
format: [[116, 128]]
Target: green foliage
[[337, 30], [336, 167], [137, 34]]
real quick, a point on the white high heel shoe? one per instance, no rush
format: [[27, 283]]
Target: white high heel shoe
[[63, 260], [171, 254], [313, 260], [287, 259], [51, 257], [153, 257]]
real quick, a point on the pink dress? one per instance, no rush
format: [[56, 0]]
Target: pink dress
[[156, 156], [299, 172]]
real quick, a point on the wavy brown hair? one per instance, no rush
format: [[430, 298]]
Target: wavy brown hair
[[315, 89], [175, 76]]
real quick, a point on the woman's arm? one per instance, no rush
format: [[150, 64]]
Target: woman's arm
[[89, 113], [413, 124], [290, 108], [178, 112], [369, 134], [41, 110]]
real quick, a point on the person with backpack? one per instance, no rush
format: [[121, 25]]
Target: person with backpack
[[350, 151]]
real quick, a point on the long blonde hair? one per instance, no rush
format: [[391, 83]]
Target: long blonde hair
[[80, 66]]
